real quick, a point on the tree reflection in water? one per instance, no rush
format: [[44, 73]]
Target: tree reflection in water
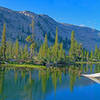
[[29, 84]]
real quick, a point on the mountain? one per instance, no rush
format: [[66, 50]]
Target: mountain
[[18, 27]]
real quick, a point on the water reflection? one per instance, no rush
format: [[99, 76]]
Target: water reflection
[[32, 84]]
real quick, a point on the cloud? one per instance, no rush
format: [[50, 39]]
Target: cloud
[[82, 25]]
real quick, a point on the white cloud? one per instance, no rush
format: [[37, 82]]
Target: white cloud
[[82, 25]]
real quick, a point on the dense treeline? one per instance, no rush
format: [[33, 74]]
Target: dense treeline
[[55, 54]]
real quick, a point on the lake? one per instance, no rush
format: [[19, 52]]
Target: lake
[[49, 84]]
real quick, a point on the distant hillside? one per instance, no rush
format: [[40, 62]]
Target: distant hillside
[[18, 27]]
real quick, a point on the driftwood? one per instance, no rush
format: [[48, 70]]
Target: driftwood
[[91, 75], [94, 77]]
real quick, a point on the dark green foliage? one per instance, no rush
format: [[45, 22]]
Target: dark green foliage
[[9, 50], [55, 47], [25, 52], [72, 47], [76, 49], [47, 54], [3, 43], [16, 49], [96, 52], [30, 39], [61, 53], [44, 49], [91, 55], [54, 53]]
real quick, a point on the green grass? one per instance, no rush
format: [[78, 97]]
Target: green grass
[[88, 62], [22, 66], [38, 66]]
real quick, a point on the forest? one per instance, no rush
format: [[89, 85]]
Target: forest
[[56, 55]]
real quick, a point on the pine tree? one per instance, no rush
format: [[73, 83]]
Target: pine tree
[[32, 25], [76, 47], [96, 52], [72, 47], [30, 39], [16, 49], [45, 46], [82, 56], [61, 53], [43, 52], [3, 42], [99, 53], [49, 55], [91, 55], [9, 50], [87, 55], [25, 53], [80, 51], [55, 47], [21, 52], [76, 53], [40, 51], [32, 46]]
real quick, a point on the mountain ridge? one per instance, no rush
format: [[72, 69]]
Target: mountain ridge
[[18, 27]]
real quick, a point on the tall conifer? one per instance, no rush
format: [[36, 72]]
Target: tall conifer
[[3, 42], [72, 46], [55, 47], [16, 49]]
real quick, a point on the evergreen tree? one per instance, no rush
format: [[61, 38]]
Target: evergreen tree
[[82, 56], [25, 53], [21, 50], [76, 53], [3, 42], [32, 49], [91, 55], [87, 55], [32, 25], [99, 53], [96, 52], [76, 50], [9, 50], [55, 47], [16, 49], [45, 47], [43, 52], [49, 55], [40, 51], [72, 47], [30, 39], [61, 53], [80, 52]]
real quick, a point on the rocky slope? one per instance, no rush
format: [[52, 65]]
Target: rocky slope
[[18, 27]]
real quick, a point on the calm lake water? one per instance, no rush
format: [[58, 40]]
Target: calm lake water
[[49, 84]]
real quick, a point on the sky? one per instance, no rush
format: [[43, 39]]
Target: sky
[[77, 12]]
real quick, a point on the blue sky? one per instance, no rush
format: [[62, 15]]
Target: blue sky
[[78, 12]]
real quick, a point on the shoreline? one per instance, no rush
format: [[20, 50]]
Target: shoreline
[[87, 62], [39, 66], [22, 66]]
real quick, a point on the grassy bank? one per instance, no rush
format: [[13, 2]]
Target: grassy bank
[[38, 66], [87, 62], [22, 66]]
